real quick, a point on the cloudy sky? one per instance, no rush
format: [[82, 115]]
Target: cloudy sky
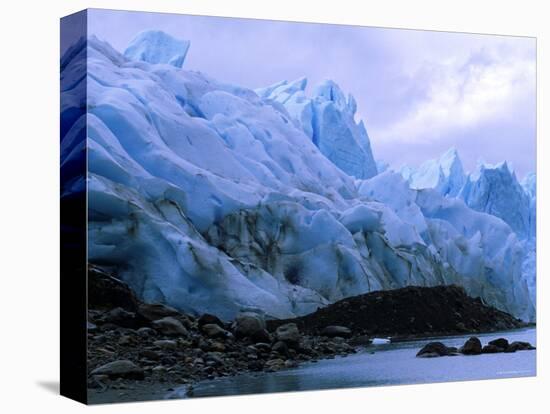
[[419, 92]]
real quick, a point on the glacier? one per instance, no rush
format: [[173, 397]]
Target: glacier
[[496, 190], [328, 118], [215, 198], [155, 46], [445, 174], [491, 189]]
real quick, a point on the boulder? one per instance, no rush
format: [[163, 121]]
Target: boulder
[[108, 292], [120, 369], [214, 331], [471, 347], [208, 319], [519, 346], [280, 347], [289, 334], [491, 349], [156, 311], [121, 317], [170, 326], [501, 343], [435, 349], [250, 325], [336, 330]]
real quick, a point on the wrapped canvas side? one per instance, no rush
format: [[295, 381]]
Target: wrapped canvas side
[[73, 205]]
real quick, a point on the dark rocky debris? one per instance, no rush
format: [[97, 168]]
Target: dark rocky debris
[[132, 343], [407, 313]]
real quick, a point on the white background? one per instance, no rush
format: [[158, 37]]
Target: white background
[[29, 264]]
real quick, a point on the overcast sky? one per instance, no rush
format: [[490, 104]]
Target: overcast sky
[[419, 92]]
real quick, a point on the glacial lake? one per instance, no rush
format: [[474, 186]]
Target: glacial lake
[[377, 365]]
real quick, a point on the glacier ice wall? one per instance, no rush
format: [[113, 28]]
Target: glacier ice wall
[[491, 189], [445, 174], [327, 117], [214, 198], [155, 46], [496, 190]]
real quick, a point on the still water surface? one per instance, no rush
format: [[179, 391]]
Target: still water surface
[[389, 364]]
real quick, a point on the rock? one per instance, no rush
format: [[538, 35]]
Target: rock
[[501, 343], [166, 344], [215, 357], [107, 292], [97, 382], [361, 340], [126, 340], [519, 346], [91, 327], [280, 347], [435, 349], [207, 319], [146, 332], [275, 364], [121, 317], [216, 347], [250, 325], [156, 311], [461, 327], [214, 331], [120, 369], [108, 327], [105, 351], [263, 347], [198, 361], [491, 349], [170, 326], [263, 336], [471, 347], [159, 369], [202, 344], [149, 354], [336, 330], [251, 351], [289, 334]]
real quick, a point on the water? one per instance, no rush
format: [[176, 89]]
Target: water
[[390, 364]]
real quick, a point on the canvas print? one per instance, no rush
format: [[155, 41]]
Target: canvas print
[[253, 206]]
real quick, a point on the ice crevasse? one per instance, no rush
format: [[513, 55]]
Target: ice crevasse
[[216, 198]]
